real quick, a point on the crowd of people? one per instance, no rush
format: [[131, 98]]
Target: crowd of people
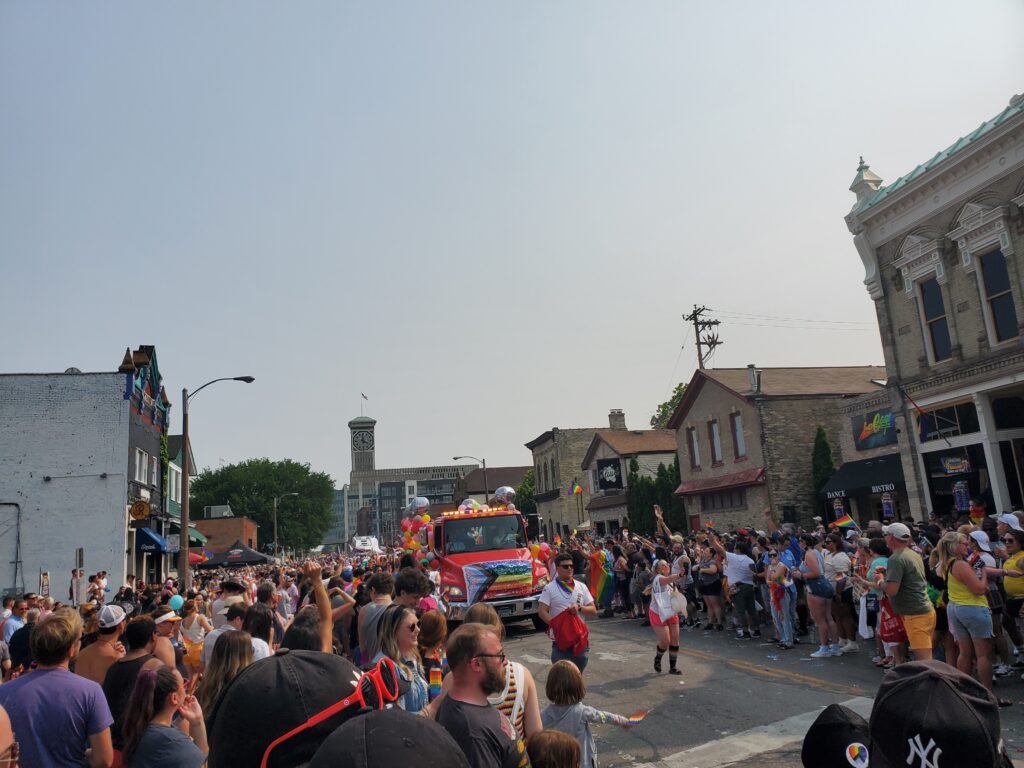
[[150, 676]]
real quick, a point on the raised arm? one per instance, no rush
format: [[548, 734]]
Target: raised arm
[[311, 570]]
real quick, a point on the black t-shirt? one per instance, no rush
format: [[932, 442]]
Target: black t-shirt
[[579, 562], [117, 687], [21, 651], [485, 735]]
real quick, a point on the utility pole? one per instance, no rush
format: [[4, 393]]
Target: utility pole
[[709, 339]]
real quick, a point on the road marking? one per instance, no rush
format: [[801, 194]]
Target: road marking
[[777, 674], [531, 659], [752, 742]]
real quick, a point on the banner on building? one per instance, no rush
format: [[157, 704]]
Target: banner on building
[[609, 474], [956, 465], [873, 430]]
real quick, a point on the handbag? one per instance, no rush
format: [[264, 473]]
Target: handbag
[[663, 603]]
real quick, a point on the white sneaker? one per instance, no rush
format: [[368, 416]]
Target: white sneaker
[[822, 653], [876, 658], [837, 650], [1001, 670], [850, 647]]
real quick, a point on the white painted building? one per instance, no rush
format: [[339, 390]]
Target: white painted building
[[63, 478]]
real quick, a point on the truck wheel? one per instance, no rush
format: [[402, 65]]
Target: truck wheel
[[538, 623]]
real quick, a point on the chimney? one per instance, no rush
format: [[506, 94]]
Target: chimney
[[616, 419], [755, 379]]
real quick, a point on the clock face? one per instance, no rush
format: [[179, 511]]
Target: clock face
[[362, 440]]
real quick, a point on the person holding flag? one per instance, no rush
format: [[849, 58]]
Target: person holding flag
[[561, 604]]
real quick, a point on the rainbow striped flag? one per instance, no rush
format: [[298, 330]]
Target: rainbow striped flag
[[637, 717], [558, 540], [575, 489], [435, 683], [709, 524], [601, 584], [843, 522]]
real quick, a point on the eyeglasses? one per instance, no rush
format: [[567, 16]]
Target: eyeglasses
[[376, 688], [9, 756], [491, 656]]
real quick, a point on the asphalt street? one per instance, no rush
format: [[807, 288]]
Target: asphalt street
[[738, 702]]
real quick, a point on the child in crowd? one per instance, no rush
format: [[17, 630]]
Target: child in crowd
[[567, 713], [553, 749]]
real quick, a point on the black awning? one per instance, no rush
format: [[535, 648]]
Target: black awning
[[882, 474]]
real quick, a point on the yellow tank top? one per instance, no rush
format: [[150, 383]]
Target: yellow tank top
[[961, 595]]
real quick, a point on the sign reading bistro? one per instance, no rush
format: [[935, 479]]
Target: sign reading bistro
[[875, 429]]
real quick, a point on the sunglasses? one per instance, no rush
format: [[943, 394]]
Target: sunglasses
[[376, 687], [414, 627], [773, 554], [565, 565]]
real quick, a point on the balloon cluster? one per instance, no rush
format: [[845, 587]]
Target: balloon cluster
[[417, 518], [541, 551], [472, 505]]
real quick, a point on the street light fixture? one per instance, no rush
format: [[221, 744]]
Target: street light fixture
[[186, 579], [276, 500], [487, 492]]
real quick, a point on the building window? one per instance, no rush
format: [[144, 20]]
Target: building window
[[154, 470], [554, 477], [999, 299], [546, 483], [141, 466], [694, 446], [173, 483], [949, 421], [937, 328], [538, 479], [731, 499], [715, 439], [738, 442]]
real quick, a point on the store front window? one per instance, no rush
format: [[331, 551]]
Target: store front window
[[945, 469], [949, 421]]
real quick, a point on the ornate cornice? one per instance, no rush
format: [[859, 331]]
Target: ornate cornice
[[980, 369], [919, 259]]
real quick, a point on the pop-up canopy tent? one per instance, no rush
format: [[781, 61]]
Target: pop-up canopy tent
[[237, 554]]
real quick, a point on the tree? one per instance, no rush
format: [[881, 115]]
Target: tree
[[640, 500], [250, 488], [664, 411], [822, 465], [524, 495]]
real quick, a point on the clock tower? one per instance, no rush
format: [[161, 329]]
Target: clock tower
[[362, 443]]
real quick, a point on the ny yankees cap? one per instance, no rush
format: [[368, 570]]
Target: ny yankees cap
[[929, 715], [838, 738], [389, 737]]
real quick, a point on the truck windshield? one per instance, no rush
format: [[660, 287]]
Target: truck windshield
[[480, 534]]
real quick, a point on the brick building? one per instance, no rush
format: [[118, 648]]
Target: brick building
[[557, 460], [745, 437], [606, 469], [222, 532], [941, 249]]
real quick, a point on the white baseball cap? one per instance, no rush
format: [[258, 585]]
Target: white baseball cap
[[982, 539], [1011, 520], [897, 531], [111, 616]]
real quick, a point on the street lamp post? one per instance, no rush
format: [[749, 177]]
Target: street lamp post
[[186, 579], [276, 500], [487, 492]]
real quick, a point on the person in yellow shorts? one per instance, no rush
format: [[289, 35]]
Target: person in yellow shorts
[[907, 589]]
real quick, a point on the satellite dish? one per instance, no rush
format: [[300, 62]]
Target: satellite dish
[[72, 370]]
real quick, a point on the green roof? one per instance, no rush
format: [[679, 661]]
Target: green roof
[[1015, 108]]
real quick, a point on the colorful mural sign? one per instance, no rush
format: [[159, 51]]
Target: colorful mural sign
[[875, 429], [956, 465]]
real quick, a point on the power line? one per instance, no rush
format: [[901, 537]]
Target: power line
[[801, 327], [709, 339], [791, 319]]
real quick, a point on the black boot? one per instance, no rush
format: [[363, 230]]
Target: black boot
[[673, 656]]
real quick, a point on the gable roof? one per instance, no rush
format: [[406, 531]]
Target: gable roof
[[631, 442], [836, 381]]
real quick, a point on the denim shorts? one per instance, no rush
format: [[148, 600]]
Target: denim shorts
[[972, 622]]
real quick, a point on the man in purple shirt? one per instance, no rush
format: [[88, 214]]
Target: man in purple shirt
[[57, 716]]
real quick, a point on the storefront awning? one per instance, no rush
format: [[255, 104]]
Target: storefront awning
[[733, 480], [194, 536], [148, 540], [882, 474]]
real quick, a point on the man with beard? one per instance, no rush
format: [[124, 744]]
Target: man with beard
[[476, 660]]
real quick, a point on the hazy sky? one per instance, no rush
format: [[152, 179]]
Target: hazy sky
[[489, 217]]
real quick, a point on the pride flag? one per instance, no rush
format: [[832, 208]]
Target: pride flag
[[843, 522], [601, 584], [558, 540], [575, 489], [637, 717]]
